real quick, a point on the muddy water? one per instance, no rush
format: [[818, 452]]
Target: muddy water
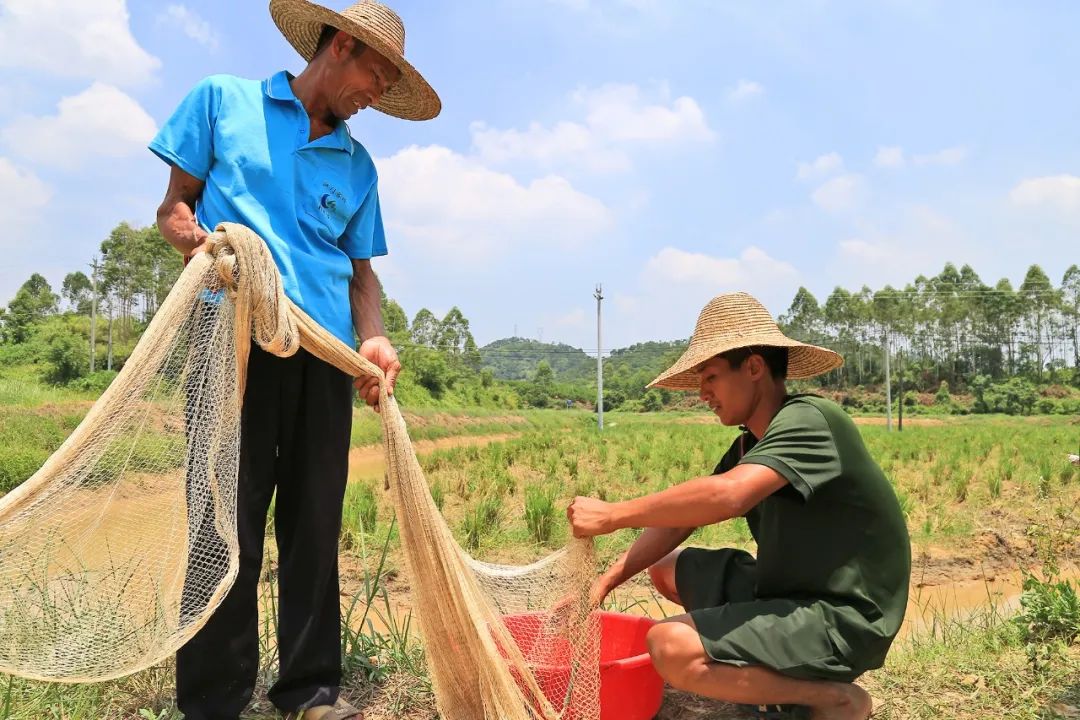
[[928, 608], [931, 606], [367, 463]]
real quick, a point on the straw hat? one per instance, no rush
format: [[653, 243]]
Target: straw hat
[[736, 320], [375, 25]]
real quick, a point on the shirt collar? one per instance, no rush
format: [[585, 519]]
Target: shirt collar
[[276, 87]]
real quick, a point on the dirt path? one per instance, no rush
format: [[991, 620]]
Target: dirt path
[[367, 462]]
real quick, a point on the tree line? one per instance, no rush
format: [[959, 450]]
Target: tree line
[[951, 327], [953, 331]]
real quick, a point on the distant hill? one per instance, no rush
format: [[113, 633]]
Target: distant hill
[[516, 359], [639, 364]]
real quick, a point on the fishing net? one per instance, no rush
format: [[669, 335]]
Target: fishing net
[[122, 545]]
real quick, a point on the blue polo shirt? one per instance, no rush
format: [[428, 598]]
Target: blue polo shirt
[[316, 204]]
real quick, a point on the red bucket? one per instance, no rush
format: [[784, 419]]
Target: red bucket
[[630, 688]]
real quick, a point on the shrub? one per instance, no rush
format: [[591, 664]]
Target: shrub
[[1049, 617], [95, 382], [943, 397], [18, 464]]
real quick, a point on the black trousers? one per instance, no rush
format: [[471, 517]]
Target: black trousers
[[296, 425]]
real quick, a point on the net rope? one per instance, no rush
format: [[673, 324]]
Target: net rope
[[122, 545]]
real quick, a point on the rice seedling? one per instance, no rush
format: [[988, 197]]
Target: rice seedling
[[438, 494], [540, 512], [960, 487], [481, 521], [1046, 477]]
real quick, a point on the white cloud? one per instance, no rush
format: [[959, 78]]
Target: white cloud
[[460, 211], [100, 122], [619, 112], [891, 156], [191, 24], [601, 5], [627, 304], [675, 284], [1061, 192], [948, 156], [573, 319], [841, 194], [745, 90], [822, 166], [615, 116], [862, 251], [918, 239], [565, 141], [24, 195], [753, 267], [73, 38]]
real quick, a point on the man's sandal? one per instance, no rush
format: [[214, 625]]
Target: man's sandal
[[340, 710], [776, 712]]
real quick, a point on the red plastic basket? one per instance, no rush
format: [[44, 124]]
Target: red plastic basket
[[630, 688]]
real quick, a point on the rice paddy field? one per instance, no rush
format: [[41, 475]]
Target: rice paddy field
[[991, 502]]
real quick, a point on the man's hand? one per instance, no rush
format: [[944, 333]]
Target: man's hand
[[201, 237], [379, 351], [590, 517], [599, 591], [563, 612]]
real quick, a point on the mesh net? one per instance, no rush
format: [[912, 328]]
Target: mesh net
[[120, 548]]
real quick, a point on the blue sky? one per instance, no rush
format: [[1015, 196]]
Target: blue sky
[[670, 150]]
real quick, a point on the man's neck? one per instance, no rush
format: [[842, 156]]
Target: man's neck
[[306, 88], [768, 405]]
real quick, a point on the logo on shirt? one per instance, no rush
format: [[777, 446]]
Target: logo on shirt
[[330, 201]]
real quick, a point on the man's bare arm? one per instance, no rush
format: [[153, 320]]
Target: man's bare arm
[[694, 503], [176, 215], [702, 501], [366, 301], [650, 547]]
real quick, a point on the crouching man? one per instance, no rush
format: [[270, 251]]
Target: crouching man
[[792, 629]]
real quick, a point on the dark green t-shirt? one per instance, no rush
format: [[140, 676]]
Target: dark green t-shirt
[[835, 533]]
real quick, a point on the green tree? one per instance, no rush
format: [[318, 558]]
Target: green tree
[[33, 302], [160, 265], [1070, 303], [121, 271], [1040, 299], [804, 317], [395, 322], [652, 401], [65, 341], [425, 328], [77, 291], [430, 369]]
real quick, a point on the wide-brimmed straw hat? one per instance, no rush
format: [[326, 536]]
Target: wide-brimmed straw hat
[[375, 25], [736, 320]]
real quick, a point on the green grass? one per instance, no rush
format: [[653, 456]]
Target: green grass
[[433, 424], [504, 501]]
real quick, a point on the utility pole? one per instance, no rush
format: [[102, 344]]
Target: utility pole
[[93, 310], [900, 357], [888, 386], [599, 295]]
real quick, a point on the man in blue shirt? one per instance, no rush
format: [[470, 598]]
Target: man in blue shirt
[[277, 157]]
